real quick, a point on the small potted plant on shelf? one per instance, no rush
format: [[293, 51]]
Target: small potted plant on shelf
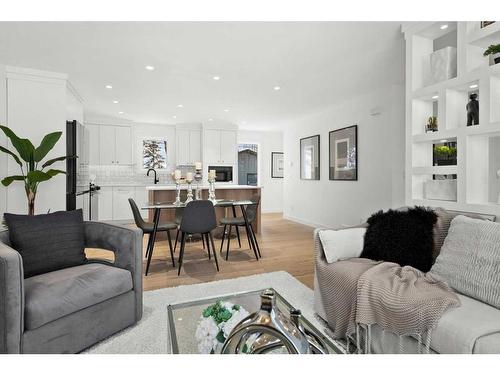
[[494, 52], [432, 124]]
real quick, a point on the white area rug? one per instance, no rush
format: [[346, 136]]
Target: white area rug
[[150, 335]]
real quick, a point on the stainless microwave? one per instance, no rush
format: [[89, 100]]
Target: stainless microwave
[[222, 173]]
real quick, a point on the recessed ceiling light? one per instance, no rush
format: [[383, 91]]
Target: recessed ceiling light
[[473, 86], [443, 27], [276, 88], [174, 116], [443, 140], [120, 113], [216, 78], [210, 119], [180, 105], [226, 110], [435, 97], [115, 101], [149, 67], [109, 87]]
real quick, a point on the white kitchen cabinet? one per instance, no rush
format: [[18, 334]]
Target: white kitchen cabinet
[[92, 133], [123, 145], [105, 203], [220, 146], [115, 145], [121, 207], [228, 146], [106, 145], [188, 146]]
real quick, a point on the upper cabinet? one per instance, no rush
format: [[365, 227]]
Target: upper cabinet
[[115, 145], [220, 146], [188, 145], [92, 136]]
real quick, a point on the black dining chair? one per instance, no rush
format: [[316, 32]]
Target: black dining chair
[[198, 218], [239, 221], [147, 228]]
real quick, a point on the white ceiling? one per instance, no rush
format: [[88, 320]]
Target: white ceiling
[[315, 64]]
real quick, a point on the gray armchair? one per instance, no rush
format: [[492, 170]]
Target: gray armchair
[[68, 310]]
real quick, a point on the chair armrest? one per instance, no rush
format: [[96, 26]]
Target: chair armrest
[[11, 300], [126, 244]]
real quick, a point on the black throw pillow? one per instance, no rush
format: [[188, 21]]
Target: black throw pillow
[[48, 242], [403, 237]]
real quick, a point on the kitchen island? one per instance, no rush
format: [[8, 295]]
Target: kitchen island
[[166, 193]]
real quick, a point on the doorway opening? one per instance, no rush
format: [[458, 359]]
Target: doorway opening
[[248, 162]]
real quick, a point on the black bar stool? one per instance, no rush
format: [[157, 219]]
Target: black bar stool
[[248, 218], [147, 228], [198, 218]]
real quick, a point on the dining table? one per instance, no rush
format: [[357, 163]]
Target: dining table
[[157, 207]]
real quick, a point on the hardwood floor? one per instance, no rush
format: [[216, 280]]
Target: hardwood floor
[[285, 246]]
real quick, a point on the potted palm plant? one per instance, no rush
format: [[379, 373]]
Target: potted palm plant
[[29, 158], [494, 52]]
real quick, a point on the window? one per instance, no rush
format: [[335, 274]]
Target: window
[[248, 164], [154, 153]]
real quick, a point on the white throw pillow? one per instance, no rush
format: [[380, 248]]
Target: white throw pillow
[[342, 244]]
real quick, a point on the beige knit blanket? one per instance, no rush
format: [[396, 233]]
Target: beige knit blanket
[[401, 300]]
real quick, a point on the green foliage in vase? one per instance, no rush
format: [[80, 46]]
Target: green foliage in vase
[[445, 151], [29, 158], [492, 49]]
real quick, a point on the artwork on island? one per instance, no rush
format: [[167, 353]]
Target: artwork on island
[[277, 165], [154, 153], [309, 158], [344, 154]]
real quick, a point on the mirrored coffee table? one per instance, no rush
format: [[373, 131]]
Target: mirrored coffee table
[[183, 319]]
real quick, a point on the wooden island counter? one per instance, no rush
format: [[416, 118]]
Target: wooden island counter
[[166, 193]]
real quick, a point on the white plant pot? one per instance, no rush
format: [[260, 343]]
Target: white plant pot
[[443, 190], [443, 64]]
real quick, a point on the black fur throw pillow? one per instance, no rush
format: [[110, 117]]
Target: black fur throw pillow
[[403, 237]]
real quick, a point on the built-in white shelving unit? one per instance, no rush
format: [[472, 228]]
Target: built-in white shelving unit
[[478, 146]]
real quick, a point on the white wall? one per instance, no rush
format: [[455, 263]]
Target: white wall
[[272, 191], [3, 138], [380, 182], [36, 105]]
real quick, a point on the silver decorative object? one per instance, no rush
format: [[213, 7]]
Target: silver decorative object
[[443, 64], [211, 189], [269, 329], [177, 201], [198, 177]]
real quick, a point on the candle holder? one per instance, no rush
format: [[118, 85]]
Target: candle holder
[[177, 201], [211, 189], [198, 177], [189, 192]]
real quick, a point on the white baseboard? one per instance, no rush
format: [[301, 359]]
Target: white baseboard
[[272, 211], [304, 222]]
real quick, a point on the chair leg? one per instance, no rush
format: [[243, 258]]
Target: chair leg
[[176, 238], [238, 235], [205, 237], [149, 244], [228, 241], [181, 252], [222, 240], [209, 235], [248, 238], [171, 249], [203, 241], [255, 240]]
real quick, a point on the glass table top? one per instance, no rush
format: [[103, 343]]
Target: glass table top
[[183, 319], [217, 203]]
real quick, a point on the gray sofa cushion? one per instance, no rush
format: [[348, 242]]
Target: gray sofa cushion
[[48, 242], [56, 294], [470, 259]]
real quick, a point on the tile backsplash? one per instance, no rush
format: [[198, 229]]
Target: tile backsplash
[[126, 175]]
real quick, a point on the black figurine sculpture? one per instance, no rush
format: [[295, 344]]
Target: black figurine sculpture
[[472, 110]]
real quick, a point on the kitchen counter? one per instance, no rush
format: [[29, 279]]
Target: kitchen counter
[[166, 193], [204, 187]]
